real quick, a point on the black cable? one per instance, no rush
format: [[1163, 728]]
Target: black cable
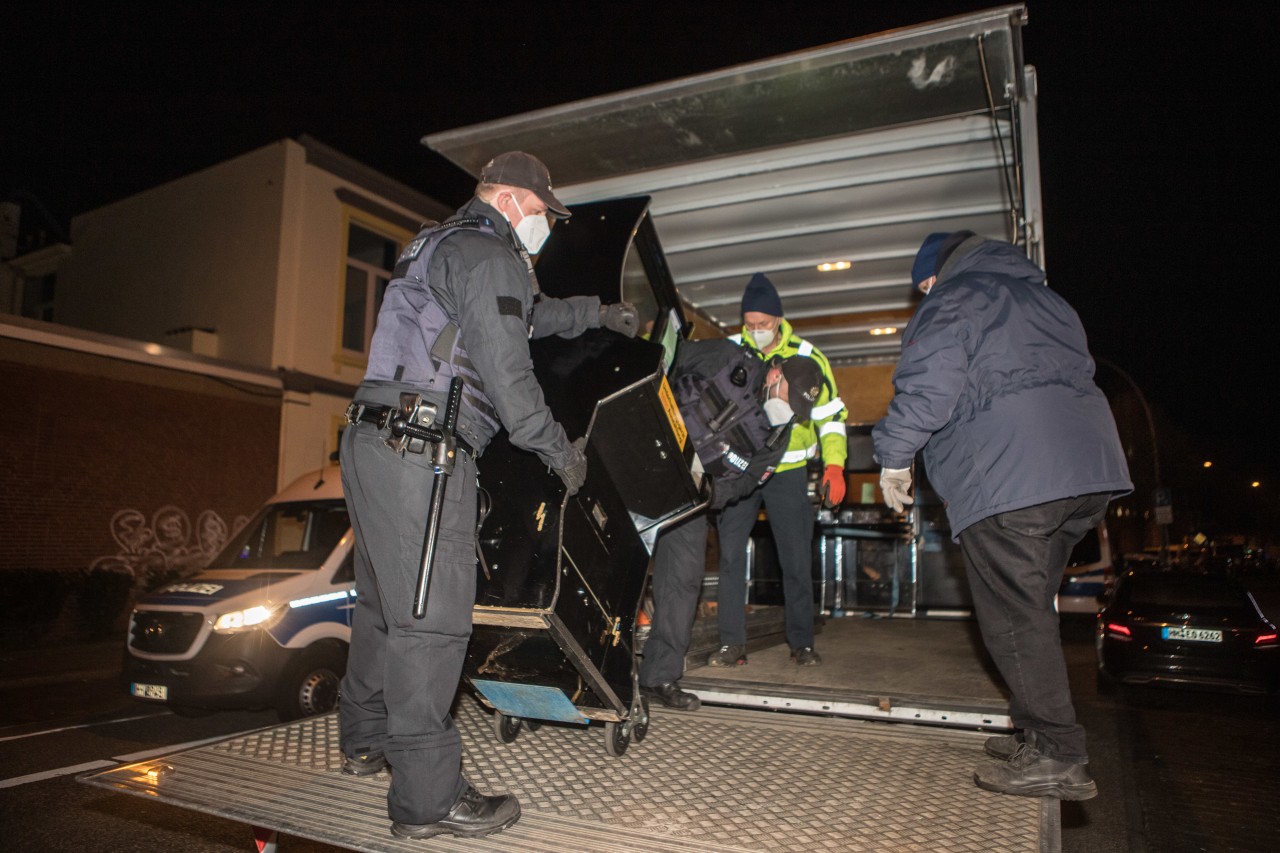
[[1014, 200]]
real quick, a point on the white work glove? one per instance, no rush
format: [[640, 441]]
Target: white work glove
[[896, 485]]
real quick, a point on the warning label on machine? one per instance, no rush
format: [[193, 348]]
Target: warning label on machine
[[673, 413]]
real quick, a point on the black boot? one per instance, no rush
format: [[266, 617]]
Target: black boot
[[363, 765], [1030, 774], [1003, 747], [672, 696], [473, 815]]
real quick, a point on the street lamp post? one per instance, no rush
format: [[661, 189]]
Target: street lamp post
[[1155, 455]]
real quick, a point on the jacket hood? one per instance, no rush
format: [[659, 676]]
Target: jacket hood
[[978, 254]]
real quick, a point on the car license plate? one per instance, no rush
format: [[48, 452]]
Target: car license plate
[[1194, 635], [150, 691]]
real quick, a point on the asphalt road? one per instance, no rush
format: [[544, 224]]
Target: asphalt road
[[1177, 770], [52, 729]]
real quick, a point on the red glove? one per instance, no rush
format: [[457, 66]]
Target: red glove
[[833, 484]]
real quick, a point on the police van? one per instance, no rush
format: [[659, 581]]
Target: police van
[[267, 624], [1089, 573]]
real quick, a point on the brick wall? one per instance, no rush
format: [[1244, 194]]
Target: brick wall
[[112, 463]]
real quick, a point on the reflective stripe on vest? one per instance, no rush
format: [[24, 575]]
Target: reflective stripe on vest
[[826, 410], [810, 452], [831, 428]]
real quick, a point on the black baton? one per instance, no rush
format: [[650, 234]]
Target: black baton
[[444, 453]]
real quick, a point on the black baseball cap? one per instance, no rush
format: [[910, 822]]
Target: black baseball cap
[[518, 169], [804, 384]]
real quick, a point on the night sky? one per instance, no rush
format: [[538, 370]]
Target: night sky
[[1157, 168]]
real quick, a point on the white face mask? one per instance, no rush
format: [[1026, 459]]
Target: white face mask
[[762, 337], [777, 410], [533, 231]]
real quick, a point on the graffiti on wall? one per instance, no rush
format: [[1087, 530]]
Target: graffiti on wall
[[166, 545]]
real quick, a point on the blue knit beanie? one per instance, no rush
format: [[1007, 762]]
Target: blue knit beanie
[[761, 296], [926, 264]]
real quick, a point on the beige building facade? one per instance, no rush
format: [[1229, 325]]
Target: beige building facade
[[276, 260]]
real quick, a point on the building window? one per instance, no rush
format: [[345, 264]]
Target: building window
[[37, 297], [370, 259]]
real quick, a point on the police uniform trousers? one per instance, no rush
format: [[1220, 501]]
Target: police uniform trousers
[[1015, 562], [791, 518], [679, 562], [403, 673]]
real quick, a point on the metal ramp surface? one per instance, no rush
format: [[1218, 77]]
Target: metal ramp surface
[[932, 671], [718, 780]]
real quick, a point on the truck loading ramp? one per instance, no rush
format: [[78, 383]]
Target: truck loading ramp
[[718, 780], [932, 671]]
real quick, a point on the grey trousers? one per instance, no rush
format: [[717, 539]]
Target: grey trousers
[[679, 561], [1015, 562], [403, 673], [791, 519]]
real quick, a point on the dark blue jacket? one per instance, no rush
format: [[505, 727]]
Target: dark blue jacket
[[995, 383]]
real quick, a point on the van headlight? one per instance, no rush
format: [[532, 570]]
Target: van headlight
[[247, 619]]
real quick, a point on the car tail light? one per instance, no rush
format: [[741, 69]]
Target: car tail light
[[1115, 629], [1265, 640]]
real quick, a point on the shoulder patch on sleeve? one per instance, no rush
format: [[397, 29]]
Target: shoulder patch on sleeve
[[413, 249], [510, 306]]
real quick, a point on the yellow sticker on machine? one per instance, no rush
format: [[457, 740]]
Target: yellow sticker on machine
[[673, 413]]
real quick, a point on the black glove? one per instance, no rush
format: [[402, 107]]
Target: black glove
[[620, 317], [574, 473]]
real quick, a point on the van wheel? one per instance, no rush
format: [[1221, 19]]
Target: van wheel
[[310, 686]]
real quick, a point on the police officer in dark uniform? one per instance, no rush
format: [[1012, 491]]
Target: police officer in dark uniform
[[739, 451], [464, 302]]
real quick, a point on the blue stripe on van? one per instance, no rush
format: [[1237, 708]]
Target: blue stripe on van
[[329, 607]]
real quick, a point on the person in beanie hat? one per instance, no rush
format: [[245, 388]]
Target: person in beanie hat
[[925, 267], [761, 297], [995, 385], [817, 432], [934, 252]]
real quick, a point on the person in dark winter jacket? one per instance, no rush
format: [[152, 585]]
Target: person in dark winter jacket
[[995, 385]]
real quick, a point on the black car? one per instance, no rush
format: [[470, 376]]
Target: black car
[[1189, 629]]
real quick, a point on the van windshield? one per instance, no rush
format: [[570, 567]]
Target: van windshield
[[297, 535]]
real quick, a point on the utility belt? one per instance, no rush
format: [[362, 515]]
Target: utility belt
[[412, 411]]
